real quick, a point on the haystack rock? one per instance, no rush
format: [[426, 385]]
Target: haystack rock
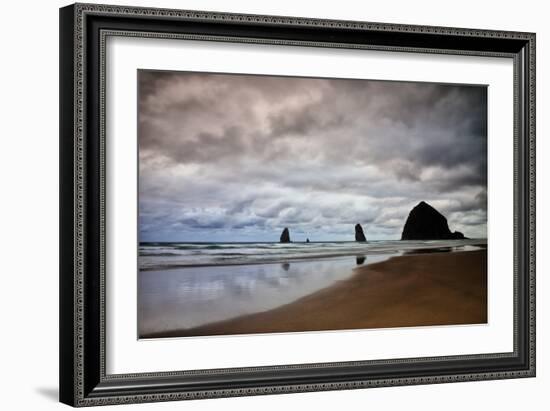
[[359, 234], [426, 223], [285, 236]]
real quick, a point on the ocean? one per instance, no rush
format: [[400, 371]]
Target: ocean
[[185, 285]]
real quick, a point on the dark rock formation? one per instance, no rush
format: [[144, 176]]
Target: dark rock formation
[[285, 236], [307, 240], [426, 223], [359, 234], [457, 235]]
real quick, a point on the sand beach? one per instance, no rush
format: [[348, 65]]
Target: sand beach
[[413, 289]]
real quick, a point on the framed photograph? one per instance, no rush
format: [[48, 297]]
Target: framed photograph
[[262, 204]]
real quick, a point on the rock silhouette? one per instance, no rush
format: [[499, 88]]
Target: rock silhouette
[[285, 236], [359, 234], [457, 235], [426, 223], [307, 240]]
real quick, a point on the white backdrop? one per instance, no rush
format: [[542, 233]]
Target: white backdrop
[[29, 228]]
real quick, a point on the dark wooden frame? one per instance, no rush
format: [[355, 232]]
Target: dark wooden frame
[[83, 30]]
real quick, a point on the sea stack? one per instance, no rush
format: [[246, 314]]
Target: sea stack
[[285, 236], [359, 234], [426, 223]]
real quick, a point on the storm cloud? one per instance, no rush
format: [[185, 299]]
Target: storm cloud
[[238, 157]]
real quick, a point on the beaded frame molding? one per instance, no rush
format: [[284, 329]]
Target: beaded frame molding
[[84, 29]]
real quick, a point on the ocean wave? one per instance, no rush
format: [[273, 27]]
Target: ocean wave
[[156, 256]]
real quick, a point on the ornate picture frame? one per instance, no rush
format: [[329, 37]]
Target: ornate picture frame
[[84, 30]]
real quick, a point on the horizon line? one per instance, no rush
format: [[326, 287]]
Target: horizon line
[[298, 242]]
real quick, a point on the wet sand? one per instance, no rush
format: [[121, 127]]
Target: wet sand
[[413, 290]]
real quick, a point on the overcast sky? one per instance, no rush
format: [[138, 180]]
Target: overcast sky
[[240, 157]]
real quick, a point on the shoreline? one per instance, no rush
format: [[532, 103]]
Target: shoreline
[[366, 251], [445, 288]]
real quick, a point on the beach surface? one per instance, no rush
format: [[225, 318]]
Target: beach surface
[[415, 289]]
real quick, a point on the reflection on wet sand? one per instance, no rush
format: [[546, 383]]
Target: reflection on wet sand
[[191, 297], [413, 290]]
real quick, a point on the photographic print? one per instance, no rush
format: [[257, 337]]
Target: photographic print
[[275, 204]]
